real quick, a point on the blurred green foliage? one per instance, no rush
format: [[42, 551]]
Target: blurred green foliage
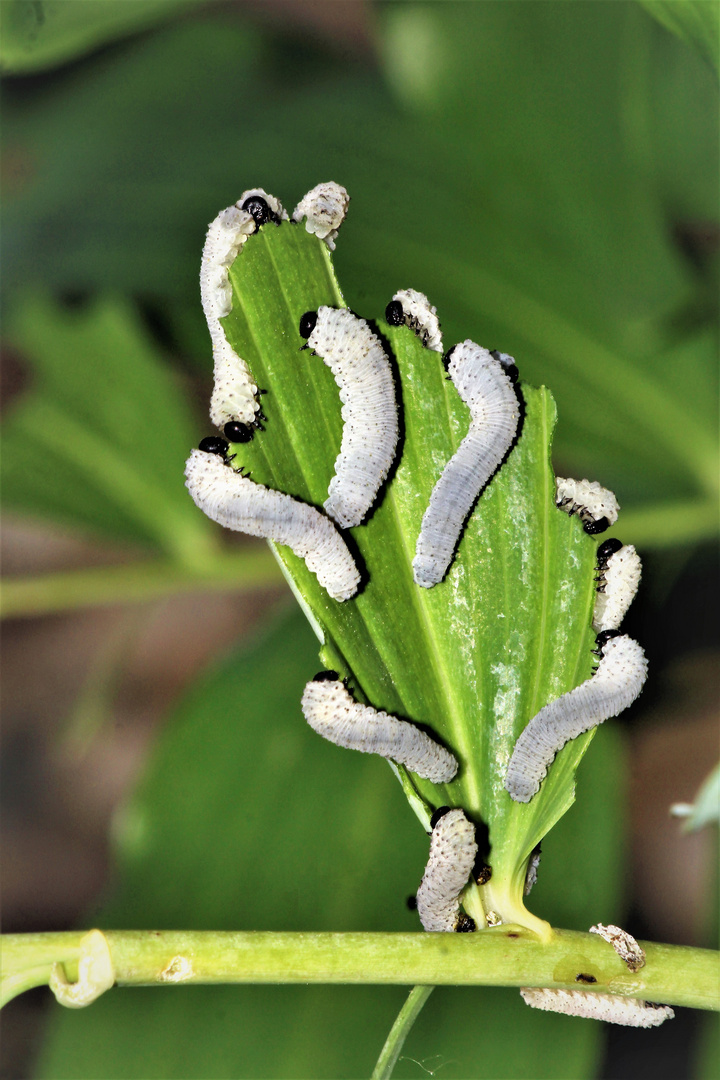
[[547, 173], [245, 819]]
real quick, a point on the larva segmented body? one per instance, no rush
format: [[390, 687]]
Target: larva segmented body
[[233, 396], [595, 505], [362, 371], [483, 384], [324, 209], [612, 1008], [412, 308], [618, 680], [623, 943], [331, 711], [232, 500], [618, 581], [453, 850]]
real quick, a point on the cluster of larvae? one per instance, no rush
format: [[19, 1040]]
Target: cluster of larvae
[[363, 373], [486, 382]]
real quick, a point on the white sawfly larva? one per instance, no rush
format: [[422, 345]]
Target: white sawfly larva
[[232, 500], [324, 209], [619, 571], [488, 391], [412, 308], [332, 712], [233, 396], [623, 943], [612, 1008], [453, 851], [595, 505], [356, 357], [616, 683]]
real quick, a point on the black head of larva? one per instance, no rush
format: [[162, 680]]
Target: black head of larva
[[602, 639], [606, 549], [394, 314], [465, 925], [510, 369], [308, 322], [326, 676], [259, 210], [213, 444], [236, 432], [592, 527], [439, 813], [448, 357]]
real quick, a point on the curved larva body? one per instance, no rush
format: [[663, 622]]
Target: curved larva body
[[232, 500], [595, 505], [452, 855], [618, 680], [362, 371], [623, 943], [233, 396], [324, 209], [420, 315], [612, 1008], [619, 582], [486, 389], [331, 711]]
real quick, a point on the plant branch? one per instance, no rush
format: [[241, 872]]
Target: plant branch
[[400, 1031], [502, 956], [129, 583]]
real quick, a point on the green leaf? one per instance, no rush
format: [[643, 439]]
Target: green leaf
[[245, 819], [39, 34], [100, 437], [475, 657], [695, 21]]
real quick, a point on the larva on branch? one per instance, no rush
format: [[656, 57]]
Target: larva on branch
[[324, 209], [623, 943], [612, 1008], [596, 506], [619, 571], [362, 371], [232, 500], [331, 711], [233, 396], [488, 391], [412, 308], [616, 683], [453, 851]]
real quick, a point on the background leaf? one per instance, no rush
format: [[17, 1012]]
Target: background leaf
[[245, 819], [40, 34], [100, 439], [575, 145], [695, 21]]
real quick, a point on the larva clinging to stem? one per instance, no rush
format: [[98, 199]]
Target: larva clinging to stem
[[453, 850], [358, 361], [331, 711], [233, 397], [616, 683], [486, 388], [233, 500]]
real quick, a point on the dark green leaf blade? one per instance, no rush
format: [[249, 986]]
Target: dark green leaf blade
[[99, 439]]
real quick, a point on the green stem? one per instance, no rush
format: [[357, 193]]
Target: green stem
[[503, 956], [134, 583], [400, 1031]]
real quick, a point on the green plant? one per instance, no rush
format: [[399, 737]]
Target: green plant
[[627, 352]]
